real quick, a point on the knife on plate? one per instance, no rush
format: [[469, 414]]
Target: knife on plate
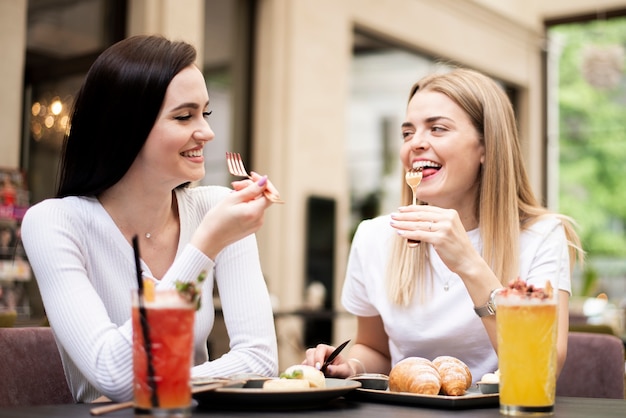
[[333, 355]]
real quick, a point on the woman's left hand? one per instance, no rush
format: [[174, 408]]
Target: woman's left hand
[[442, 228]]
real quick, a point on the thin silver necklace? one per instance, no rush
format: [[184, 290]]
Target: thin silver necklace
[[148, 235], [446, 284], [441, 267]]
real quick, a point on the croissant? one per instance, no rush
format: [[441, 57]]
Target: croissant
[[456, 377], [415, 375]]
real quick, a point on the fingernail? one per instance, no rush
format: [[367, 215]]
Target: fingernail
[[318, 365], [262, 182]]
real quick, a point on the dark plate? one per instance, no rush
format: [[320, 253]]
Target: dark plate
[[372, 380], [253, 396], [472, 399]]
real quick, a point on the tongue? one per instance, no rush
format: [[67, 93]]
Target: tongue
[[429, 171]]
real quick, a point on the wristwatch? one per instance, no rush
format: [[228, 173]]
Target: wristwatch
[[489, 308]]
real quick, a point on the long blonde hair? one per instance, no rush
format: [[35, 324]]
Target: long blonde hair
[[505, 203]]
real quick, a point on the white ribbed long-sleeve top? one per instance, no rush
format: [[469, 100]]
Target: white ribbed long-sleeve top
[[85, 269]]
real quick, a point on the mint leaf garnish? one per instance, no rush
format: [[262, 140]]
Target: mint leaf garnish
[[190, 291]]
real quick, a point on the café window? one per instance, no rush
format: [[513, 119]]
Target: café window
[[586, 139], [381, 75], [227, 68], [64, 37]]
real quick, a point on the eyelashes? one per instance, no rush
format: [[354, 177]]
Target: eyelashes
[[189, 116]]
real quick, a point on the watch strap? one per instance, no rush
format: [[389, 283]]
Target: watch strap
[[489, 308]]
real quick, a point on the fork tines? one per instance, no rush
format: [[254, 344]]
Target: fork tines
[[235, 164], [237, 168]]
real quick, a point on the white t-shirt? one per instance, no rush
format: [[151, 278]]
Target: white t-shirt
[[85, 269], [446, 324]]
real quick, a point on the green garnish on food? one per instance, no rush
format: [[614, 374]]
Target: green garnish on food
[[190, 291], [295, 374]]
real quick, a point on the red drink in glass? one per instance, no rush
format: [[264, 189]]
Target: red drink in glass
[[170, 327]]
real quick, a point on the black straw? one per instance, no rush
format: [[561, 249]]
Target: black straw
[[143, 319]]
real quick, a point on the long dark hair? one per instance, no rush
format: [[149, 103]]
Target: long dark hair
[[115, 110]]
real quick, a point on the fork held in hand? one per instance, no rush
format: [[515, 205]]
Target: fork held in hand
[[237, 168], [413, 178]]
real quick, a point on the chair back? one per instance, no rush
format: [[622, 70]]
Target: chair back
[[31, 372], [594, 367], [598, 329], [7, 318]]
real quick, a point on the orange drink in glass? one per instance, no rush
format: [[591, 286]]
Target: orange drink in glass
[[170, 320], [527, 329]]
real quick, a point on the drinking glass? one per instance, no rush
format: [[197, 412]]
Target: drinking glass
[[527, 329], [162, 363]]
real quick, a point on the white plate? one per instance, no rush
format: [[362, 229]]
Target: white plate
[[247, 397]]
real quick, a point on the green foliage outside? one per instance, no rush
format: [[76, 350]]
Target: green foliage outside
[[593, 141], [592, 125]]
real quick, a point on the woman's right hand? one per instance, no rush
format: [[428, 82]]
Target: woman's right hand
[[238, 215], [339, 368], [238, 185]]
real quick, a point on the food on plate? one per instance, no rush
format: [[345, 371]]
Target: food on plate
[[286, 384], [456, 377], [297, 377], [315, 377], [489, 383], [491, 377], [444, 375], [415, 375]]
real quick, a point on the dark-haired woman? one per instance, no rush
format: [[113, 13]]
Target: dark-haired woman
[[137, 134]]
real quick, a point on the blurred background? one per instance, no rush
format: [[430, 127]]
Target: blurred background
[[313, 92]]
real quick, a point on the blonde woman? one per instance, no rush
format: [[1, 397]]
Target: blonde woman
[[479, 224]]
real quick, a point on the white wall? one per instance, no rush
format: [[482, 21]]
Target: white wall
[[13, 46]]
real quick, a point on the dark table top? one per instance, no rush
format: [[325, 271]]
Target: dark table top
[[565, 408]]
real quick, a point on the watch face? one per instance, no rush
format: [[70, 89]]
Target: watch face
[[492, 298]]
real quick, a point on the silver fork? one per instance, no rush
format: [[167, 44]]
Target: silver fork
[[237, 168]]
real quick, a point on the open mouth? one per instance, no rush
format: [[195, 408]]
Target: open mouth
[[192, 153], [428, 167]]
